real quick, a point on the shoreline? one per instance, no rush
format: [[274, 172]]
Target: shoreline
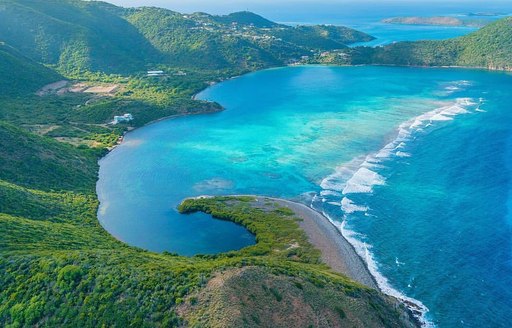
[[337, 252], [194, 96], [171, 117]]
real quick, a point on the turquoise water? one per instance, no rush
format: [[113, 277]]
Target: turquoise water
[[389, 33], [413, 165]]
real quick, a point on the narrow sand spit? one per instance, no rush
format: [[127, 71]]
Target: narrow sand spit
[[337, 252]]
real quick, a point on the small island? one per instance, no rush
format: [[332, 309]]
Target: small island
[[436, 20], [487, 14]]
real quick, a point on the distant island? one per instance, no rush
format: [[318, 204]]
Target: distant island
[[487, 14], [437, 20]]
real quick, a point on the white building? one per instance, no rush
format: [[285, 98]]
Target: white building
[[122, 119], [155, 73]]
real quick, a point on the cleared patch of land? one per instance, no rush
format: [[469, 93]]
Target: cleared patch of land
[[102, 89], [52, 88], [62, 87]]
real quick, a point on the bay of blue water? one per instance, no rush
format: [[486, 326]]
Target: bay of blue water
[[416, 164]]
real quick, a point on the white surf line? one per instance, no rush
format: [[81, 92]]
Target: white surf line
[[363, 179]]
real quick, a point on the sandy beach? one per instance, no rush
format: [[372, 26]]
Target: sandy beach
[[337, 252]]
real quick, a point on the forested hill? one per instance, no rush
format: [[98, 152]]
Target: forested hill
[[77, 36], [489, 47], [19, 74]]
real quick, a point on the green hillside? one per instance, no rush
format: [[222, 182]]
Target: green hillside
[[78, 36], [192, 42], [58, 267], [35, 162], [491, 47], [243, 40], [74, 35], [326, 37], [24, 74]]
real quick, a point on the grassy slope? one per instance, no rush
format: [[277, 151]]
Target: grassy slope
[[74, 35], [32, 161], [254, 296], [58, 267], [29, 75]]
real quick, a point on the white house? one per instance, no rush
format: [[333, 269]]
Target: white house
[[122, 119], [155, 73]]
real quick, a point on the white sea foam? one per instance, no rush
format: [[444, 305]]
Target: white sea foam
[[364, 251], [348, 206], [363, 181], [418, 309], [329, 193], [336, 182], [402, 154], [457, 86], [481, 101], [361, 175]]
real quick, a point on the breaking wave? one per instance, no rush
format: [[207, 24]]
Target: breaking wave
[[361, 175]]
